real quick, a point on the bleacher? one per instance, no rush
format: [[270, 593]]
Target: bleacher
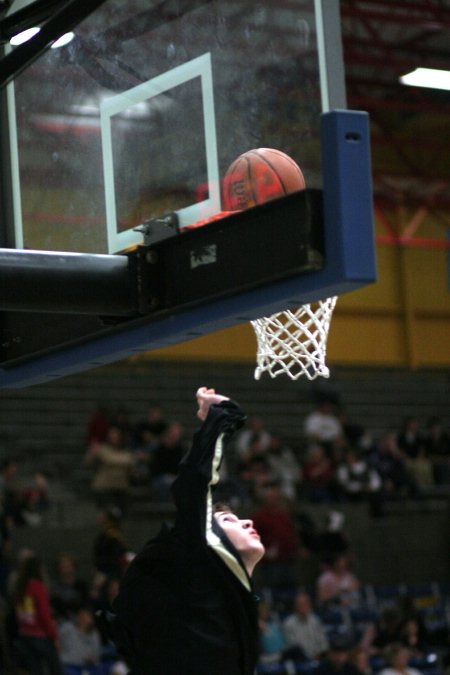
[[430, 599]]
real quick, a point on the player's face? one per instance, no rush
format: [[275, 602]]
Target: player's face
[[242, 535]]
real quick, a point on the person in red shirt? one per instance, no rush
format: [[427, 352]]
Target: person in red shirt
[[36, 631], [275, 524]]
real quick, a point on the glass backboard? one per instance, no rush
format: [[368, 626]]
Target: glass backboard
[[143, 111]]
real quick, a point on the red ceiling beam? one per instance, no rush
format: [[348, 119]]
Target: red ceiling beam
[[359, 102], [414, 242], [362, 57], [398, 14]]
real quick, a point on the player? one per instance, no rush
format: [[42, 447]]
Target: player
[[186, 605]]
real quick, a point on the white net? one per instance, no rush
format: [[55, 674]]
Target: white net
[[294, 342]]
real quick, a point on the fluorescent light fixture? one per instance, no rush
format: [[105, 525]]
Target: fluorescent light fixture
[[427, 77], [63, 40], [24, 36]]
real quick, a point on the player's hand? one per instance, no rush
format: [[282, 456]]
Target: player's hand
[[205, 399]]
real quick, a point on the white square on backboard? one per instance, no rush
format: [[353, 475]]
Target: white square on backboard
[[198, 67]]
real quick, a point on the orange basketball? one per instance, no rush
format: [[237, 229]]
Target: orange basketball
[[259, 175]]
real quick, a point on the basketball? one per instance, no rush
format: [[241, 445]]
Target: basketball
[[259, 175]]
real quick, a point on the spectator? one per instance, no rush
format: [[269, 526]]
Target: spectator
[[36, 500], [337, 585], [397, 657], [303, 629], [318, 475], [275, 524], [36, 632], [98, 425], [152, 427], [255, 431], [104, 592], [272, 642], [165, 460], [11, 499], [353, 432], [284, 467], [360, 658], [112, 464], [6, 550], [79, 640], [388, 461], [387, 630], [323, 427], [121, 420], [410, 440], [331, 542], [437, 443], [337, 660], [358, 481], [68, 591], [110, 546]]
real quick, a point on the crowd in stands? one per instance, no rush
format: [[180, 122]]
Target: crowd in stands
[[47, 611], [336, 460]]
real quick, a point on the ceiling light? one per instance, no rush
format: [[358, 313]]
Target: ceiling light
[[24, 36], [63, 40], [427, 77]]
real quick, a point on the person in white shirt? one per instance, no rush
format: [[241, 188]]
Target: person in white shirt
[[79, 640], [322, 426], [303, 629], [397, 657]]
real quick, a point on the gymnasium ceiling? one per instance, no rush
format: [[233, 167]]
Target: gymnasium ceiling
[[383, 39]]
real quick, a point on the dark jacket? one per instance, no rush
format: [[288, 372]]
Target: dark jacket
[[186, 605]]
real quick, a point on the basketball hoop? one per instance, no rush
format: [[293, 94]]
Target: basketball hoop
[[294, 341]]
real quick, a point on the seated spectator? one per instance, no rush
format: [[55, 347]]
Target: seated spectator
[[165, 460], [110, 547], [271, 638], [152, 426], [36, 500], [68, 592], [104, 591], [11, 498], [337, 661], [98, 425], [112, 463], [120, 418], [353, 432], [275, 524], [255, 430], [331, 541], [360, 658], [437, 443], [284, 466], [322, 426], [397, 657], [414, 633], [79, 640], [410, 440], [318, 475], [387, 630], [358, 481], [257, 474], [303, 629], [36, 634], [144, 445], [337, 585], [389, 463]]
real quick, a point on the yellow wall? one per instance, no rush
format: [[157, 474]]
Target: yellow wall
[[402, 320]]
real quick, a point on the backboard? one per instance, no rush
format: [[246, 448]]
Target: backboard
[[136, 119]]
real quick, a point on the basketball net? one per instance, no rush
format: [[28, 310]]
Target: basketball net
[[294, 342]]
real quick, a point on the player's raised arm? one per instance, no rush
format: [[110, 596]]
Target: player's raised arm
[[199, 469]]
